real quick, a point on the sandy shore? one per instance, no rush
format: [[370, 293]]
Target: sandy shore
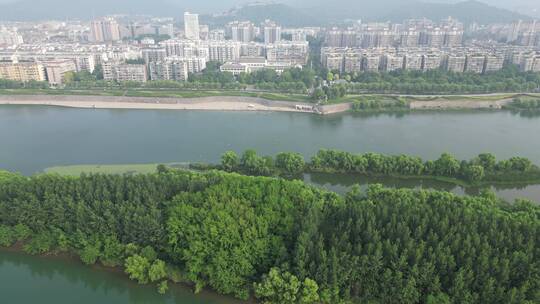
[[225, 103]]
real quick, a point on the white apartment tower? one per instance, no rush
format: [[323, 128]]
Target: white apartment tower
[[272, 32], [191, 26]]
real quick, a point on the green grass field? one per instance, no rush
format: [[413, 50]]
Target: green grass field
[[76, 170], [171, 93], [105, 169]]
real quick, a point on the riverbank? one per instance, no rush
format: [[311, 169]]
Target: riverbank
[[246, 101], [212, 103]]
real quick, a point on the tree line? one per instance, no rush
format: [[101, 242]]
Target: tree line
[[509, 79], [483, 168], [281, 241], [524, 103], [12, 84], [376, 103], [293, 80]]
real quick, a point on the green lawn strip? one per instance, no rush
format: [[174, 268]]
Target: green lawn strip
[[168, 93], [76, 170]]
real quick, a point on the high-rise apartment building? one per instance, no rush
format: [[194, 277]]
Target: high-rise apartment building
[[409, 38], [191, 26], [391, 62], [431, 62], [493, 63], [223, 51], [454, 63], [371, 63], [242, 31], [272, 32], [413, 62], [353, 62], [105, 30], [216, 35], [290, 51], [153, 54], [475, 63], [185, 48], [176, 68]]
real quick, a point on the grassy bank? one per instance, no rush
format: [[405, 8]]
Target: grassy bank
[[104, 169], [76, 170], [194, 93], [158, 93]]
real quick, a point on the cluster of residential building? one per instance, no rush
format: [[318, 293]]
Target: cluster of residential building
[[191, 56], [128, 51], [140, 48], [410, 33], [422, 45], [52, 71], [524, 33], [51, 61], [10, 37], [456, 59]]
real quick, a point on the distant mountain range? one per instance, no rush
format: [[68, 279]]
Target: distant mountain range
[[304, 12]]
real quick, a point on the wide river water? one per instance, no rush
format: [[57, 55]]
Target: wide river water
[[36, 137], [33, 138]]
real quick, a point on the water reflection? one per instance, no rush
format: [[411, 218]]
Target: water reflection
[[533, 113], [341, 183], [31, 279]]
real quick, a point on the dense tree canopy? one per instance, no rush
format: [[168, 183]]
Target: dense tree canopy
[[283, 240], [509, 79]]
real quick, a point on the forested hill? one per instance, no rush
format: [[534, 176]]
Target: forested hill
[[287, 13], [317, 13], [281, 240]]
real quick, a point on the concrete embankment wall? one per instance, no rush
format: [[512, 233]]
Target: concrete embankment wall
[[336, 108]]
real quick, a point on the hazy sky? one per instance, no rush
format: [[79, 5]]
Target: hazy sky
[[530, 7], [494, 2], [502, 3]]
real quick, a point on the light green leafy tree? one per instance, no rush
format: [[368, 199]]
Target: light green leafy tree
[[157, 271], [137, 268]]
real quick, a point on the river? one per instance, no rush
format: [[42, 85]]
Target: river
[[53, 280], [33, 138], [37, 137]]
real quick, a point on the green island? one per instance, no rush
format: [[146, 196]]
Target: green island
[[482, 170], [280, 241]]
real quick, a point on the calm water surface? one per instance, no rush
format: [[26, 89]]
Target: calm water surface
[[30, 279], [34, 138], [342, 183]]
